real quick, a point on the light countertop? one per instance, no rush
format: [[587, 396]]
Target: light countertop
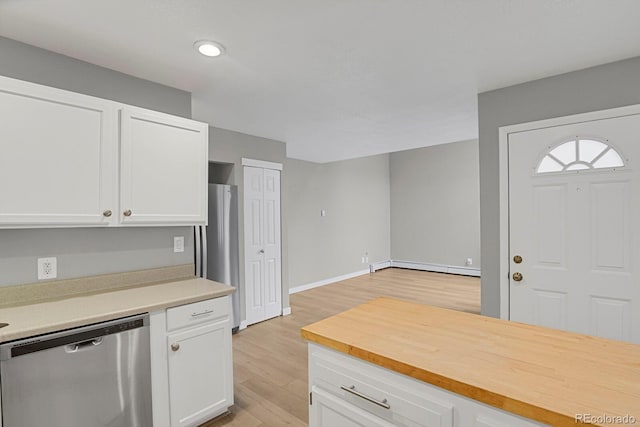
[[49, 316], [543, 374]]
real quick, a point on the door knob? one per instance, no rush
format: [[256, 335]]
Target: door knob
[[517, 276], [261, 251], [107, 213], [127, 212], [175, 347], [517, 259]]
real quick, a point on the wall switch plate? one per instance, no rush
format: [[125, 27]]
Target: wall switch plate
[[178, 244], [47, 268], [323, 212]]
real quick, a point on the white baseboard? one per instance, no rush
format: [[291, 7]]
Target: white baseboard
[[437, 268], [327, 281], [286, 311], [379, 266]]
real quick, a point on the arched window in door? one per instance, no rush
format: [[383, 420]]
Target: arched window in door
[[580, 154]]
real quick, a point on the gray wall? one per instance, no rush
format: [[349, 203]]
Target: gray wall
[[227, 146], [607, 86], [26, 62], [435, 206], [87, 251], [355, 196]]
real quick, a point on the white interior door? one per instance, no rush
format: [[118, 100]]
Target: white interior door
[[262, 248], [573, 208]]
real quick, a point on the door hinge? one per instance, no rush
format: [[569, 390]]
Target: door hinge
[[310, 398]]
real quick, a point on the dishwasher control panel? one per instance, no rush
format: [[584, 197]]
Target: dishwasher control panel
[[71, 336]]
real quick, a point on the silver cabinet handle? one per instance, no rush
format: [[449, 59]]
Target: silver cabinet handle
[[175, 347], [261, 251], [127, 212], [383, 403], [202, 313], [107, 213]]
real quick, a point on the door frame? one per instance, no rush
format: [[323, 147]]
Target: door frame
[[503, 178], [256, 163]]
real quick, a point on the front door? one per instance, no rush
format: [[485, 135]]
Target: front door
[[574, 205]]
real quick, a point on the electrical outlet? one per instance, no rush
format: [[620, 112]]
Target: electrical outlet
[[178, 244], [365, 258], [47, 268], [469, 262]]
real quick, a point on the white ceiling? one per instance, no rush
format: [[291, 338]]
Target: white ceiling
[[335, 79]]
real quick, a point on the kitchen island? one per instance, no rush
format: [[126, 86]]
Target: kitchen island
[[389, 362]]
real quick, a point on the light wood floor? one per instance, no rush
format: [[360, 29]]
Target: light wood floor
[[270, 358]]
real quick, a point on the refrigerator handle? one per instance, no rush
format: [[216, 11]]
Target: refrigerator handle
[[203, 245], [196, 240]]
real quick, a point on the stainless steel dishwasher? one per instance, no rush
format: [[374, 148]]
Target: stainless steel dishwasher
[[93, 376]]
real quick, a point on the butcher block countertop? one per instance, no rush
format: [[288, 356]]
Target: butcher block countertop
[[43, 316], [543, 374]]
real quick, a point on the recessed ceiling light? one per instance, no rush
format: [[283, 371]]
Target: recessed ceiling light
[[209, 48]]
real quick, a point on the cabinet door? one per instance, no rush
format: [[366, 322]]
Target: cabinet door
[[163, 169], [58, 161], [327, 410], [200, 373]]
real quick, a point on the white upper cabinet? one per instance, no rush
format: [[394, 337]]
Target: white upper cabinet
[[58, 157], [163, 175], [69, 160]]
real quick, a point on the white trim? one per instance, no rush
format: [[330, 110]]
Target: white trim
[[419, 266], [243, 325], [379, 266], [503, 185], [437, 268], [327, 281], [503, 167], [286, 311], [261, 164]]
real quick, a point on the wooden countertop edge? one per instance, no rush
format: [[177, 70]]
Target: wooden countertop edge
[[488, 397]]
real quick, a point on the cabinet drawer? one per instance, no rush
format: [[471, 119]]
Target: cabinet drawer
[[198, 312], [400, 400]]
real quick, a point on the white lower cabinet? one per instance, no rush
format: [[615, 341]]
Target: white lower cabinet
[[328, 410], [347, 392], [191, 363]]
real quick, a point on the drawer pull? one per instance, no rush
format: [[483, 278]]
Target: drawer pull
[[202, 313], [353, 390]]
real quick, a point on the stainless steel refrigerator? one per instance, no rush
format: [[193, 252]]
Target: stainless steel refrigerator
[[217, 256]]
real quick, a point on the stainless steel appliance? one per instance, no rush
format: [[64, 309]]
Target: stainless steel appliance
[[93, 376], [216, 245]]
